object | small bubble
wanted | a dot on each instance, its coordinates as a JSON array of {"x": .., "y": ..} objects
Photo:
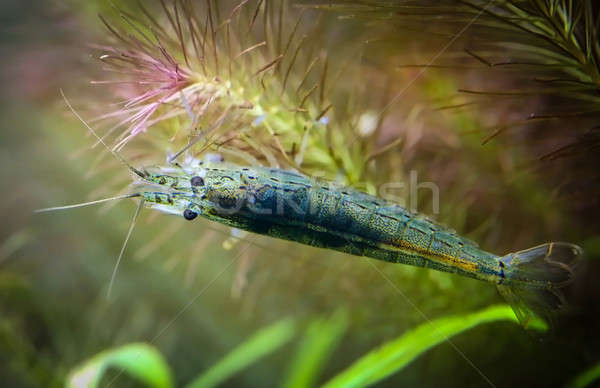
[
  {"x": 367, "y": 123},
  {"x": 259, "y": 120}
]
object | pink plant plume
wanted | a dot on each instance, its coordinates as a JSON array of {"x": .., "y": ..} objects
[
  {"x": 235, "y": 80},
  {"x": 153, "y": 75}
]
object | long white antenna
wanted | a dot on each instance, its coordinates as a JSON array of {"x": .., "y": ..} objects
[
  {"x": 114, "y": 274},
  {"x": 51, "y": 209},
  {"x": 114, "y": 153}
]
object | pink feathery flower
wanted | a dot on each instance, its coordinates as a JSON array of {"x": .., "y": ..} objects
[{"x": 153, "y": 75}]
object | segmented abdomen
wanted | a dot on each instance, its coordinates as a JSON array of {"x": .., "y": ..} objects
[
  {"x": 397, "y": 234},
  {"x": 313, "y": 212}
]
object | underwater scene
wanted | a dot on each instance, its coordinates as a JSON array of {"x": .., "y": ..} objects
[{"x": 300, "y": 193}]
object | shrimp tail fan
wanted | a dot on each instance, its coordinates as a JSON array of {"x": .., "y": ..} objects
[{"x": 534, "y": 277}]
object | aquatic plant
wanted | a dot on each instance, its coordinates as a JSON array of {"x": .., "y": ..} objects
[
  {"x": 384, "y": 121},
  {"x": 143, "y": 361},
  {"x": 248, "y": 81},
  {"x": 553, "y": 44}
]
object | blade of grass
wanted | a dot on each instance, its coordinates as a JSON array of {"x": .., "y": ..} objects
[
  {"x": 586, "y": 378},
  {"x": 318, "y": 343},
  {"x": 263, "y": 342},
  {"x": 139, "y": 360},
  {"x": 394, "y": 355}
]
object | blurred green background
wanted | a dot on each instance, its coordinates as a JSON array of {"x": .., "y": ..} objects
[{"x": 199, "y": 293}]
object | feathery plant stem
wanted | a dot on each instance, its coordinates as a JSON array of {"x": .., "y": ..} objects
[
  {"x": 267, "y": 73},
  {"x": 557, "y": 38}
]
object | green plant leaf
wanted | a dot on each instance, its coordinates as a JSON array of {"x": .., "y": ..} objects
[
  {"x": 139, "y": 360},
  {"x": 394, "y": 355},
  {"x": 586, "y": 378},
  {"x": 320, "y": 339},
  {"x": 259, "y": 345}
]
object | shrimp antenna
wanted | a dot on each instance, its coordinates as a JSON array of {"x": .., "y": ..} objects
[
  {"x": 114, "y": 273},
  {"x": 113, "y": 152},
  {"x": 51, "y": 209}
]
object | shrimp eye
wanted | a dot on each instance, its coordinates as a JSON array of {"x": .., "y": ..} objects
[
  {"x": 197, "y": 181},
  {"x": 189, "y": 214}
]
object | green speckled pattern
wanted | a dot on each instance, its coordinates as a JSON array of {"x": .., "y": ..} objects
[{"x": 291, "y": 206}]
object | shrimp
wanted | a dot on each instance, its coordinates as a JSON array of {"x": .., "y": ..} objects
[
  {"x": 291, "y": 206},
  {"x": 288, "y": 205}
]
